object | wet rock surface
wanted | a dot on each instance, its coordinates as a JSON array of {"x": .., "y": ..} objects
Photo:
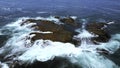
[
  {"x": 65, "y": 32},
  {"x": 98, "y": 29},
  {"x": 69, "y": 21},
  {"x": 51, "y": 30},
  {"x": 58, "y": 32},
  {"x": 63, "y": 37}
]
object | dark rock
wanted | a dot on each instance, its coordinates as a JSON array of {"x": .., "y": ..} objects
[
  {"x": 65, "y": 32},
  {"x": 62, "y": 36},
  {"x": 57, "y": 17},
  {"x": 96, "y": 25},
  {"x": 55, "y": 63},
  {"x": 98, "y": 29},
  {"x": 45, "y": 25},
  {"x": 69, "y": 21},
  {"x": 102, "y": 51},
  {"x": 59, "y": 33}
]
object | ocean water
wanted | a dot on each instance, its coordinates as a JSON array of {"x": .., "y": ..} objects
[{"x": 13, "y": 11}]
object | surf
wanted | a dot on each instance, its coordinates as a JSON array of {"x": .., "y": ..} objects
[{"x": 87, "y": 55}]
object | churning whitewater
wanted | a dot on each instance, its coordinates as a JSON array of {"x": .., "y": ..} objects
[{"x": 20, "y": 48}]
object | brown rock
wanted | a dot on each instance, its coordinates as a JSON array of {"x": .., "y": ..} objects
[
  {"x": 96, "y": 25},
  {"x": 63, "y": 33},
  {"x": 58, "y": 31},
  {"x": 98, "y": 29},
  {"x": 69, "y": 21},
  {"x": 45, "y": 25},
  {"x": 62, "y": 36}
]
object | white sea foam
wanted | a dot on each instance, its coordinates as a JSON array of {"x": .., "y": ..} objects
[
  {"x": 92, "y": 60},
  {"x": 24, "y": 50},
  {"x": 112, "y": 45},
  {"x": 42, "y": 12},
  {"x": 112, "y": 22},
  {"x": 3, "y": 65},
  {"x": 47, "y": 50},
  {"x": 85, "y": 34},
  {"x": 73, "y": 17}
]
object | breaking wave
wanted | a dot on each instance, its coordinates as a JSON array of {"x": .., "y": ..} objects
[{"x": 20, "y": 48}]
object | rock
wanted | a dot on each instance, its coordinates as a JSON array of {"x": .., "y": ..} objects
[
  {"x": 58, "y": 32},
  {"x": 57, "y": 17},
  {"x": 102, "y": 51},
  {"x": 61, "y": 36},
  {"x": 98, "y": 29},
  {"x": 69, "y": 21},
  {"x": 45, "y": 25},
  {"x": 65, "y": 32},
  {"x": 57, "y": 62},
  {"x": 96, "y": 25}
]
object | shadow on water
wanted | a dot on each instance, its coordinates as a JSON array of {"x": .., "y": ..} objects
[{"x": 3, "y": 39}]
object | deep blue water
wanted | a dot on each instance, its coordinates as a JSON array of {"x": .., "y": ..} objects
[
  {"x": 94, "y": 10},
  {"x": 82, "y": 8}
]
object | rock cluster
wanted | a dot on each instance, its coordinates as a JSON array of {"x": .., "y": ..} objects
[
  {"x": 49, "y": 30},
  {"x": 65, "y": 32},
  {"x": 58, "y": 32}
]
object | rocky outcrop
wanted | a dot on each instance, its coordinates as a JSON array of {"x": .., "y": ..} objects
[
  {"x": 65, "y": 32},
  {"x": 69, "y": 21},
  {"x": 49, "y": 30},
  {"x": 62, "y": 36},
  {"x": 100, "y": 30},
  {"x": 57, "y": 32}
]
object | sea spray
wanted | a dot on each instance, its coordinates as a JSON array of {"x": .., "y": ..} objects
[
  {"x": 3, "y": 65},
  {"x": 90, "y": 58},
  {"x": 20, "y": 48}
]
